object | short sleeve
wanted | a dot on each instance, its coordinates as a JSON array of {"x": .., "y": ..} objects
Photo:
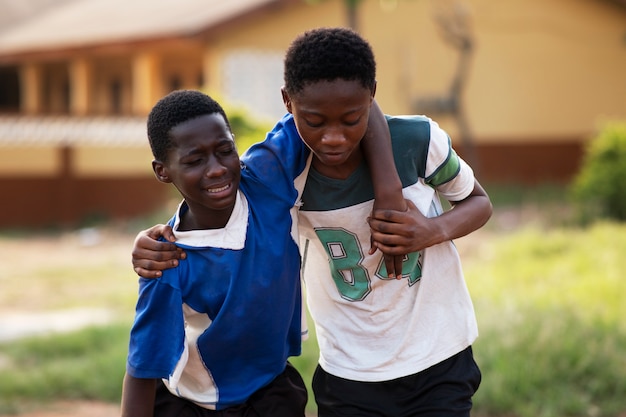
[
  {"x": 281, "y": 156},
  {"x": 445, "y": 170},
  {"x": 158, "y": 334}
]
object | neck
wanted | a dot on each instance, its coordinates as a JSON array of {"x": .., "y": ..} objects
[
  {"x": 341, "y": 171},
  {"x": 203, "y": 220}
]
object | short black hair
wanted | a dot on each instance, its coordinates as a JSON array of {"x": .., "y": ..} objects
[
  {"x": 173, "y": 109},
  {"x": 327, "y": 54}
]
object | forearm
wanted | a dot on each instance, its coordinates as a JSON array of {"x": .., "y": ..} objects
[
  {"x": 138, "y": 397},
  {"x": 377, "y": 149},
  {"x": 464, "y": 217}
]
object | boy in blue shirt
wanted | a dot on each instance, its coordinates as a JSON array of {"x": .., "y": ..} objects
[{"x": 218, "y": 330}]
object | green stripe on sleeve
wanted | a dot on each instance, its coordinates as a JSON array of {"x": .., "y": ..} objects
[{"x": 446, "y": 171}]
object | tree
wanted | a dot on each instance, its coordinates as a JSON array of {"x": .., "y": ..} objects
[
  {"x": 454, "y": 23},
  {"x": 352, "y": 7},
  {"x": 352, "y": 13}
]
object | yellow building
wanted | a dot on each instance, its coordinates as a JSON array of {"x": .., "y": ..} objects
[{"x": 519, "y": 84}]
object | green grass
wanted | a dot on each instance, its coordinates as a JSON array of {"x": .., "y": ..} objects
[
  {"x": 550, "y": 310},
  {"x": 88, "y": 364},
  {"x": 549, "y": 303},
  {"x": 306, "y": 364}
]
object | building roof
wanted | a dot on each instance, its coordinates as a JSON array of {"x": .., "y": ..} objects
[
  {"x": 31, "y": 26},
  {"x": 83, "y": 23},
  {"x": 15, "y": 12}
]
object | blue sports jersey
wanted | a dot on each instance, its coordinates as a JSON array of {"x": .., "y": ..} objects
[{"x": 222, "y": 324}]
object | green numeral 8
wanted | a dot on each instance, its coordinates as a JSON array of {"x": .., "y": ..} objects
[{"x": 345, "y": 257}]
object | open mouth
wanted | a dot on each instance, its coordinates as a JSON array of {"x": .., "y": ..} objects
[{"x": 218, "y": 189}]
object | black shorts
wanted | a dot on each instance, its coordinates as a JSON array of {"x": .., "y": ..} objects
[
  {"x": 443, "y": 390},
  {"x": 285, "y": 396}
]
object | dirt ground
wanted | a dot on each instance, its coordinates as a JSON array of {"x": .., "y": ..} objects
[
  {"x": 76, "y": 409},
  {"x": 79, "y": 409}
]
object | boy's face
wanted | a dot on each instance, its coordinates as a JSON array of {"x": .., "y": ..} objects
[
  {"x": 332, "y": 117},
  {"x": 204, "y": 167}
]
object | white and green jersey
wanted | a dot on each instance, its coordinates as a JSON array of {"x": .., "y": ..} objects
[{"x": 371, "y": 327}]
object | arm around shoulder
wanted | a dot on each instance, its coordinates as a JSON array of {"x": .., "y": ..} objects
[{"x": 150, "y": 256}]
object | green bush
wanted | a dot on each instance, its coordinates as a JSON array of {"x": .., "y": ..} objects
[
  {"x": 247, "y": 130},
  {"x": 598, "y": 189}
]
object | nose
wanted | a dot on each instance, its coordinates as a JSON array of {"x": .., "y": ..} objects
[
  {"x": 333, "y": 136},
  {"x": 214, "y": 167}
]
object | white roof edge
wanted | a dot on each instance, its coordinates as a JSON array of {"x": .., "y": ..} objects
[
  {"x": 92, "y": 22},
  {"x": 22, "y": 131}
]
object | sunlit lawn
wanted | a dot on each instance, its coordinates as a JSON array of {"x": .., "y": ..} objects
[{"x": 550, "y": 309}]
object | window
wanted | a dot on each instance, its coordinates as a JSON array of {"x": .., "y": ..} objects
[{"x": 253, "y": 78}]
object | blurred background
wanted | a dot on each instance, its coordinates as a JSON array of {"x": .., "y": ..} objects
[
  {"x": 519, "y": 85},
  {"x": 524, "y": 88}
]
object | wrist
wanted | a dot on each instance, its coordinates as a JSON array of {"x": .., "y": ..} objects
[
  {"x": 391, "y": 198},
  {"x": 439, "y": 231}
]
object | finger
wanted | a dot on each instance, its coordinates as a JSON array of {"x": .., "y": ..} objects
[
  {"x": 390, "y": 260},
  {"x": 390, "y": 265},
  {"x": 140, "y": 254},
  {"x": 145, "y": 242},
  {"x": 154, "y": 266},
  {"x": 385, "y": 228},
  {"x": 144, "y": 273},
  {"x": 399, "y": 251},
  {"x": 388, "y": 240},
  {"x": 372, "y": 246},
  {"x": 158, "y": 231},
  {"x": 398, "y": 265},
  {"x": 160, "y": 246},
  {"x": 386, "y": 215},
  {"x": 168, "y": 234},
  {"x": 154, "y": 232},
  {"x": 393, "y": 216}
]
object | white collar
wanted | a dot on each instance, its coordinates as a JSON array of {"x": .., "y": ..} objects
[{"x": 231, "y": 236}]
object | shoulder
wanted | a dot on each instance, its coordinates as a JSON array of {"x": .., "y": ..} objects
[
  {"x": 282, "y": 148},
  {"x": 419, "y": 134},
  {"x": 416, "y": 129},
  {"x": 416, "y": 140},
  {"x": 282, "y": 139}
]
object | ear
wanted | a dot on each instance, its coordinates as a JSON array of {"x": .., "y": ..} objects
[
  {"x": 160, "y": 171},
  {"x": 286, "y": 99},
  {"x": 374, "y": 89}
]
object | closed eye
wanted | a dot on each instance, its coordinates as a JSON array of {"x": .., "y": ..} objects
[
  {"x": 192, "y": 162},
  {"x": 314, "y": 125},
  {"x": 226, "y": 150},
  {"x": 352, "y": 123}
]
